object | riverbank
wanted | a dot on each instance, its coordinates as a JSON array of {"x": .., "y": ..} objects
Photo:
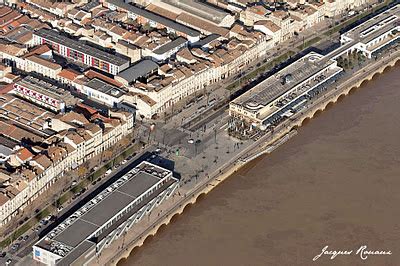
[{"x": 235, "y": 164}]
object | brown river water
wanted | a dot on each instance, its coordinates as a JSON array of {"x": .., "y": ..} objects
[{"x": 335, "y": 184}]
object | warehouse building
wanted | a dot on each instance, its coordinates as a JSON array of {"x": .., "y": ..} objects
[{"x": 112, "y": 212}]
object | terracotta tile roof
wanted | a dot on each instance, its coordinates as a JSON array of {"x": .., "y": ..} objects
[
  {"x": 3, "y": 199},
  {"x": 24, "y": 154},
  {"x": 269, "y": 25},
  {"x": 68, "y": 74}
]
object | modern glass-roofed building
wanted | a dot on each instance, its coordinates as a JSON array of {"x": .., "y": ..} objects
[{"x": 106, "y": 217}]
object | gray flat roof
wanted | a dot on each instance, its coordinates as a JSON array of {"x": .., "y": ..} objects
[
  {"x": 104, "y": 87},
  {"x": 171, "y": 45},
  {"x": 104, "y": 210},
  {"x": 76, "y": 253},
  {"x": 134, "y": 188},
  {"x": 154, "y": 17},
  {"x": 206, "y": 40},
  {"x": 81, "y": 47},
  {"x": 71, "y": 238},
  {"x": 76, "y": 233},
  {"x": 138, "y": 70},
  {"x": 46, "y": 88}
]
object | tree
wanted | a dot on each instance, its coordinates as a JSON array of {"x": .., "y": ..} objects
[
  {"x": 146, "y": 27},
  {"x": 107, "y": 154},
  {"x": 82, "y": 170}
]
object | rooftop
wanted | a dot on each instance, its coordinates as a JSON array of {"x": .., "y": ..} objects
[
  {"x": 273, "y": 87},
  {"x": 375, "y": 26},
  {"x": 68, "y": 238},
  {"x": 143, "y": 68},
  {"x": 154, "y": 17},
  {"x": 170, "y": 46},
  {"x": 81, "y": 47},
  {"x": 44, "y": 88},
  {"x": 104, "y": 87}
]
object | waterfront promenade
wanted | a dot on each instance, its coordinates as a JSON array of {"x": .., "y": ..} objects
[{"x": 188, "y": 194}]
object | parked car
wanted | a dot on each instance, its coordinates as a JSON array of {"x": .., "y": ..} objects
[
  {"x": 3, "y": 254},
  {"x": 108, "y": 171},
  {"x": 15, "y": 246},
  {"x": 8, "y": 262},
  {"x": 123, "y": 162},
  {"x": 26, "y": 237}
]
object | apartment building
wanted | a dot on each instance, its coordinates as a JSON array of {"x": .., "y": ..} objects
[
  {"x": 43, "y": 66},
  {"x": 75, "y": 139},
  {"x": 80, "y": 52}
]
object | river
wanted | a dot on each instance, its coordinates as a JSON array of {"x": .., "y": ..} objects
[{"x": 336, "y": 183}]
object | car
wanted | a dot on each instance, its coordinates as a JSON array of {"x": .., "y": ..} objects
[
  {"x": 8, "y": 262},
  {"x": 123, "y": 162},
  {"x": 48, "y": 218},
  {"x": 158, "y": 150},
  {"x": 153, "y": 156},
  {"x": 3, "y": 254},
  {"x": 60, "y": 208},
  {"x": 108, "y": 171},
  {"x": 191, "y": 141},
  {"x": 26, "y": 237},
  {"x": 15, "y": 246},
  {"x": 74, "y": 183},
  {"x": 20, "y": 238}
]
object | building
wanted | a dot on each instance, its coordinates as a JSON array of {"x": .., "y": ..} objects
[
  {"x": 269, "y": 28},
  {"x": 156, "y": 21},
  {"x": 112, "y": 212},
  {"x": 80, "y": 52},
  {"x": 167, "y": 50},
  {"x": 103, "y": 92},
  {"x": 198, "y": 9},
  {"x": 70, "y": 139},
  {"x": 373, "y": 35},
  {"x": 283, "y": 93},
  {"x": 43, "y": 93},
  {"x": 40, "y": 65},
  {"x": 139, "y": 71}
]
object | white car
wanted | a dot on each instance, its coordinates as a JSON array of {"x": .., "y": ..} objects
[
  {"x": 124, "y": 162},
  {"x": 191, "y": 141},
  {"x": 108, "y": 171},
  {"x": 8, "y": 261}
]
